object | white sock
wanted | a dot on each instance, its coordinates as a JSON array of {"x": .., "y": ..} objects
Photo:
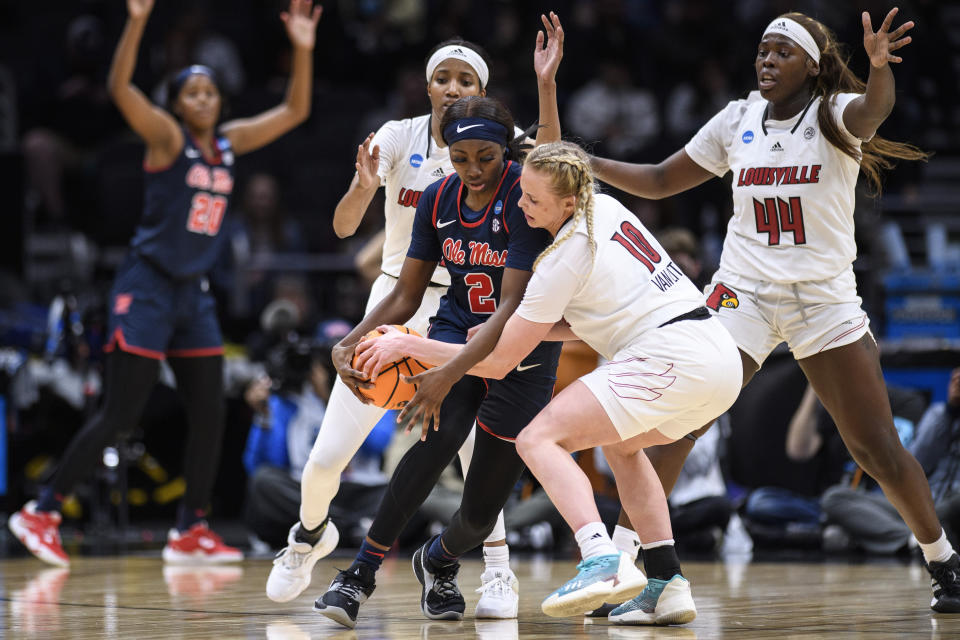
[
  {"x": 626, "y": 540},
  {"x": 594, "y": 541},
  {"x": 939, "y": 550},
  {"x": 496, "y": 557},
  {"x": 658, "y": 543}
]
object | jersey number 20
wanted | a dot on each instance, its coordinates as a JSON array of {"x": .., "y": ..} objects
[
  {"x": 481, "y": 293},
  {"x": 206, "y": 213}
]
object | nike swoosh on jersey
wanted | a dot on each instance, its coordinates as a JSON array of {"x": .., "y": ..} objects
[
  {"x": 440, "y": 225},
  {"x": 469, "y": 126},
  {"x": 521, "y": 367}
]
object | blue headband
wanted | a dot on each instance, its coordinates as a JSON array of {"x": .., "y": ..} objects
[
  {"x": 192, "y": 70},
  {"x": 475, "y": 129}
]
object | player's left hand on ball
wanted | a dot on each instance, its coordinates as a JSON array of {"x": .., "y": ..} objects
[{"x": 342, "y": 356}]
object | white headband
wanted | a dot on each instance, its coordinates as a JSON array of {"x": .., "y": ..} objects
[
  {"x": 796, "y": 32},
  {"x": 459, "y": 52}
]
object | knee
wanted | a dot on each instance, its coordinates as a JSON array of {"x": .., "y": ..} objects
[
  {"x": 528, "y": 442},
  {"x": 882, "y": 458},
  {"x": 324, "y": 464},
  {"x": 475, "y": 520}
]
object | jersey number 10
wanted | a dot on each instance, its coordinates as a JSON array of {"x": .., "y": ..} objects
[
  {"x": 638, "y": 246},
  {"x": 206, "y": 213},
  {"x": 776, "y": 215}
]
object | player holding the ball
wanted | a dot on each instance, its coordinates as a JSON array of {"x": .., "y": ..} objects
[
  {"x": 390, "y": 389},
  {"x": 404, "y": 157},
  {"x": 471, "y": 221}
]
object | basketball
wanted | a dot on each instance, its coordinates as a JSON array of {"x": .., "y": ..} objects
[{"x": 389, "y": 390}]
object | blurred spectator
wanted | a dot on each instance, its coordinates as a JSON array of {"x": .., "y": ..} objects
[
  {"x": 64, "y": 149},
  {"x": 699, "y": 507},
  {"x": 867, "y": 518},
  {"x": 192, "y": 41},
  {"x": 610, "y": 110},
  {"x": 257, "y": 233},
  {"x": 783, "y": 516},
  {"x": 684, "y": 250}
]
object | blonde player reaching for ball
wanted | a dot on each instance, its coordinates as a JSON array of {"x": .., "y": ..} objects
[
  {"x": 604, "y": 280},
  {"x": 404, "y": 157},
  {"x": 471, "y": 222}
]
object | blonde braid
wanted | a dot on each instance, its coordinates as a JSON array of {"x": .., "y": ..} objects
[{"x": 569, "y": 168}]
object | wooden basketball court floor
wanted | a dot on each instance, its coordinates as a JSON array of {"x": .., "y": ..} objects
[{"x": 137, "y": 597}]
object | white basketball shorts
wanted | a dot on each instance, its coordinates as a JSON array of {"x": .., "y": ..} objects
[
  {"x": 674, "y": 379},
  {"x": 810, "y": 316}
]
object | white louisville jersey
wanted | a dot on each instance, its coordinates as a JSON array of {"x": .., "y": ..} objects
[
  {"x": 793, "y": 191},
  {"x": 409, "y": 162},
  {"x": 609, "y": 300}
]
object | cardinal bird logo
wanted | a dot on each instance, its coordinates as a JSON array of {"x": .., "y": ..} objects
[{"x": 722, "y": 296}]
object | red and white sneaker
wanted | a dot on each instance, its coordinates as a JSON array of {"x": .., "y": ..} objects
[
  {"x": 39, "y": 531},
  {"x": 198, "y": 545}
]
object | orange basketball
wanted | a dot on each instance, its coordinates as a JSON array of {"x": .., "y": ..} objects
[{"x": 389, "y": 390}]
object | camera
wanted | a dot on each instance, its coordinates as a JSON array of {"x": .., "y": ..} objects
[{"x": 288, "y": 362}]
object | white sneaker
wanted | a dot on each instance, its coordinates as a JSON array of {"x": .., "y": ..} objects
[
  {"x": 631, "y": 581},
  {"x": 499, "y": 594},
  {"x": 662, "y": 602},
  {"x": 293, "y": 566}
]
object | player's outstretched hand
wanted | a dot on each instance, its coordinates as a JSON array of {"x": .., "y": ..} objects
[
  {"x": 879, "y": 45},
  {"x": 342, "y": 356},
  {"x": 139, "y": 9},
  {"x": 301, "y": 21},
  {"x": 367, "y": 164},
  {"x": 433, "y": 386},
  {"x": 549, "y": 49},
  {"x": 376, "y": 353}
]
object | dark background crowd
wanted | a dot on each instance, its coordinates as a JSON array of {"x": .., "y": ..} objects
[{"x": 639, "y": 77}]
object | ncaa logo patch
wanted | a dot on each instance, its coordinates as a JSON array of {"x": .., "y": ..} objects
[
  {"x": 809, "y": 132},
  {"x": 416, "y": 160},
  {"x": 495, "y": 225},
  {"x": 747, "y": 137},
  {"x": 497, "y": 208}
]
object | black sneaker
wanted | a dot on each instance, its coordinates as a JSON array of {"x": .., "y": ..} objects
[
  {"x": 346, "y": 593},
  {"x": 602, "y": 611},
  {"x": 945, "y": 582},
  {"x": 440, "y": 598}
]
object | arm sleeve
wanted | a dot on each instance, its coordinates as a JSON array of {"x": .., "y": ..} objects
[
  {"x": 389, "y": 138},
  {"x": 424, "y": 243},
  {"x": 556, "y": 280}
]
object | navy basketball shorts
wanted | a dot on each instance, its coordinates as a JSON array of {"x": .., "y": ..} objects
[
  {"x": 511, "y": 403},
  {"x": 155, "y": 316}
]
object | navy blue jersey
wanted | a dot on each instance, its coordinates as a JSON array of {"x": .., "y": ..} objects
[
  {"x": 474, "y": 246},
  {"x": 184, "y": 208}
]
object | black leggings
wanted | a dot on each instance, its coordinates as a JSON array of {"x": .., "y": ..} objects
[
  {"x": 128, "y": 384},
  {"x": 495, "y": 470}
]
